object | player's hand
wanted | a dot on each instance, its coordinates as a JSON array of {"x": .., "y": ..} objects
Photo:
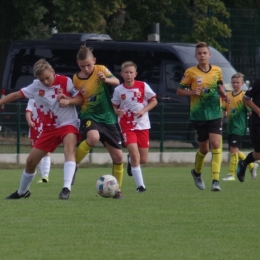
[
  {"x": 101, "y": 76},
  {"x": 139, "y": 113},
  {"x": 226, "y": 98},
  {"x": 64, "y": 102},
  {"x": 31, "y": 124},
  {"x": 120, "y": 112},
  {"x": 62, "y": 96},
  {"x": 197, "y": 91}
]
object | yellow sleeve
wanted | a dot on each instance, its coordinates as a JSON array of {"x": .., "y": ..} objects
[{"x": 186, "y": 80}]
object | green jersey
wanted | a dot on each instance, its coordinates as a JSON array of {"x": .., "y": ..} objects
[
  {"x": 206, "y": 106},
  {"x": 97, "y": 101}
]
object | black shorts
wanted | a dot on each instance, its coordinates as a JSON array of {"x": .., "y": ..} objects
[
  {"x": 204, "y": 128},
  {"x": 254, "y": 127},
  {"x": 108, "y": 133},
  {"x": 235, "y": 140}
]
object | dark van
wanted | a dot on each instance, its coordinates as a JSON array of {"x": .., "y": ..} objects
[{"x": 161, "y": 65}]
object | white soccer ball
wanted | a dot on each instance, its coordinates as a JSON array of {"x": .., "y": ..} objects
[{"x": 107, "y": 186}]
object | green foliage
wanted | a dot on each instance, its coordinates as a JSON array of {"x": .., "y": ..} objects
[
  {"x": 171, "y": 220},
  {"x": 135, "y": 20},
  {"x": 206, "y": 27},
  {"x": 83, "y": 16},
  {"x": 22, "y": 19},
  {"x": 122, "y": 19},
  {"x": 242, "y": 4}
]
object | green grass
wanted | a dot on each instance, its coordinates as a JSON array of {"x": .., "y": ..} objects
[{"x": 171, "y": 220}]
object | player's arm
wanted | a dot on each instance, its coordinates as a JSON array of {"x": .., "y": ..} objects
[
  {"x": 112, "y": 81},
  {"x": 28, "y": 117},
  {"x": 152, "y": 103},
  {"x": 223, "y": 94},
  {"x": 187, "y": 92},
  {"x": 107, "y": 77},
  {"x": 77, "y": 100},
  {"x": 224, "y": 114},
  {"x": 11, "y": 97},
  {"x": 249, "y": 103}
]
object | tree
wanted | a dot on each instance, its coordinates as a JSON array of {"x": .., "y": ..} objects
[
  {"x": 22, "y": 19},
  {"x": 122, "y": 19},
  {"x": 242, "y": 4},
  {"x": 206, "y": 26}
]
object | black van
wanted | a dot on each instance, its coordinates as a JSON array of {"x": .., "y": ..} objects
[{"x": 161, "y": 65}]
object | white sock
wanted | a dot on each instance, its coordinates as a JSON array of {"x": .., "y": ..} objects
[
  {"x": 69, "y": 169},
  {"x": 46, "y": 165},
  {"x": 39, "y": 168},
  {"x": 25, "y": 182},
  {"x": 138, "y": 177}
]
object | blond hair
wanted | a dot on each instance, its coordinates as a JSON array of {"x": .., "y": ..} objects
[
  {"x": 201, "y": 45},
  {"x": 238, "y": 75},
  {"x": 40, "y": 66},
  {"x": 84, "y": 52},
  {"x": 128, "y": 64}
]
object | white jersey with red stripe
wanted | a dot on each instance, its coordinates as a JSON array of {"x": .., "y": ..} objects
[
  {"x": 34, "y": 132},
  {"x": 48, "y": 110},
  {"x": 131, "y": 100}
]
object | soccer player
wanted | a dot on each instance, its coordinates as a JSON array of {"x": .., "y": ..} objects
[
  {"x": 252, "y": 100},
  {"x": 203, "y": 84},
  {"x": 97, "y": 114},
  {"x": 35, "y": 129},
  {"x": 132, "y": 100},
  {"x": 60, "y": 124},
  {"x": 236, "y": 113}
]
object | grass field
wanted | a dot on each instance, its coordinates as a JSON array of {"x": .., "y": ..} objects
[{"x": 171, "y": 220}]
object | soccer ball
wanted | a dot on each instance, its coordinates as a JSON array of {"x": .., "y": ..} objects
[{"x": 107, "y": 186}]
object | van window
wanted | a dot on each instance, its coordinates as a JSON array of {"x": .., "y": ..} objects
[
  {"x": 173, "y": 75},
  {"x": 24, "y": 59}
]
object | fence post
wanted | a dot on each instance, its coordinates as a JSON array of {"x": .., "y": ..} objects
[
  {"x": 161, "y": 127},
  {"x": 18, "y": 132}
]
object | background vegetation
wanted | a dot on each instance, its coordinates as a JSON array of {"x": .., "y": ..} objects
[{"x": 122, "y": 19}]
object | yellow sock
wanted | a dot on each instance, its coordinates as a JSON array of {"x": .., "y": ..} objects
[
  {"x": 242, "y": 156},
  {"x": 216, "y": 163},
  {"x": 233, "y": 163},
  {"x": 82, "y": 151},
  {"x": 118, "y": 170},
  {"x": 199, "y": 161}
]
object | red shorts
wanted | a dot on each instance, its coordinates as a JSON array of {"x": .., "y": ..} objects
[
  {"x": 50, "y": 139},
  {"x": 139, "y": 137}
]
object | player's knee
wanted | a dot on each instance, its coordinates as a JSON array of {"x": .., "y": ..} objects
[
  {"x": 143, "y": 160},
  {"x": 30, "y": 164},
  {"x": 117, "y": 158},
  {"x": 92, "y": 141}
]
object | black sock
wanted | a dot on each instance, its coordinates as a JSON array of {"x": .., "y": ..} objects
[{"x": 249, "y": 159}]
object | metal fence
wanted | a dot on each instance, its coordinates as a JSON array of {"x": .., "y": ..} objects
[
  {"x": 170, "y": 130},
  {"x": 243, "y": 46}
]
